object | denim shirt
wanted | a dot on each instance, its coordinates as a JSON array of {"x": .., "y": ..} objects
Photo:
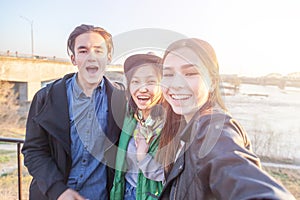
[{"x": 88, "y": 119}]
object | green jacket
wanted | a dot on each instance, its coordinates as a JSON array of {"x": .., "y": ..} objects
[{"x": 146, "y": 189}]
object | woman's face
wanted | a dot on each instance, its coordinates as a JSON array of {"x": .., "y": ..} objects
[
  {"x": 144, "y": 87},
  {"x": 186, "y": 82}
]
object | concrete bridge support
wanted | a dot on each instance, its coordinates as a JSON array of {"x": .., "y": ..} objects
[{"x": 29, "y": 74}]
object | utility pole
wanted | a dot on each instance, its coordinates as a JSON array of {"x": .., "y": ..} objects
[{"x": 31, "y": 25}]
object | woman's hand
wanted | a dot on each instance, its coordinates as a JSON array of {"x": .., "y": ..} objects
[{"x": 142, "y": 147}]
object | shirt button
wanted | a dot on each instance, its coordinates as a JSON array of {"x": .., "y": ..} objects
[
  {"x": 84, "y": 160},
  {"x": 81, "y": 175}
]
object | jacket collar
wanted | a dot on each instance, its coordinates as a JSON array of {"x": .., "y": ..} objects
[
  {"x": 186, "y": 136},
  {"x": 176, "y": 170},
  {"x": 54, "y": 116},
  {"x": 77, "y": 91},
  {"x": 115, "y": 114}
]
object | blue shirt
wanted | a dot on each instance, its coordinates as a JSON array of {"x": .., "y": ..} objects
[{"x": 88, "y": 119}]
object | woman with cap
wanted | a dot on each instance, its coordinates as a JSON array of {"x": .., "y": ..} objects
[
  {"x": 211, "y": 157},
  {"x": 137, "y": 174}
]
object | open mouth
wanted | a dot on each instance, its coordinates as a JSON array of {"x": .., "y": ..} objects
[
  {"x": 180, "y": 97},
  {"x": 92, "y": 69},
  {"x": 143, "y": 98}
]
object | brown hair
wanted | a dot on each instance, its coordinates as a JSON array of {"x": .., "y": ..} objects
[
  {"x": 89, "y": 28},
  {"x": 169, "y": 139}
]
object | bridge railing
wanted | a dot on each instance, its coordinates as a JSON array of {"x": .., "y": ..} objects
[
  {"x": 18, "y": 142},
  {"x": 23, "y": 55}
]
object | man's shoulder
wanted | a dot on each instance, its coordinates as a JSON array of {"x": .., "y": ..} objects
[
  {"x": 60, "y": 81},
  {"x": 114, "y": 85},
  {"x": 44, "y": 91}
]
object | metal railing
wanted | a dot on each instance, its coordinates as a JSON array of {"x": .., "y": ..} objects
[
  {"x": 30, "y": 56},
  {"x": 18, "y": 142}
]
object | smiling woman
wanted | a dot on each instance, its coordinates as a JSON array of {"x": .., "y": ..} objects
[
  {"x": 211, "y": 157},
  {"x": 138, "y": 175},
  {"x": 192, "y": 79}
]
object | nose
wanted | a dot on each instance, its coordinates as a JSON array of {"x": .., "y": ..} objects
[
  {"x": 143, "y": 88},
  {"x": 91, "y": 57},
  {"x": 177, "y": 81}
]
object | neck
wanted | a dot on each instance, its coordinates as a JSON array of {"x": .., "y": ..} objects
[
  {"x": 146, "y": 113},
  {"x": 143, "y": 114},
  {"x": 86, "y": 87},
  {"x": 188, "y": 118}
]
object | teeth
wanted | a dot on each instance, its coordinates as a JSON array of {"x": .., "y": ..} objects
[
  {"x": 180, "y": 96},
  {"x": 143, "y": 97}
]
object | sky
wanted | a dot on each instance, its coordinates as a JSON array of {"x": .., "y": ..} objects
[{"x": 250, "y": 37}]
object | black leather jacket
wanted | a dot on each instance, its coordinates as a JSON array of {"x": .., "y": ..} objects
[
  {"x": 46, "y": 150},
  {"x": 217, "y": 162}
]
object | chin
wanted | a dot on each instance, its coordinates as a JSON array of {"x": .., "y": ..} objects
[
  {"x": 142, "y": 107},
  {"x": 186, "y": 110},
  {"x": 178, "y": 110}
]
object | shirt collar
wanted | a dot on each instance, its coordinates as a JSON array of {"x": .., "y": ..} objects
[{"x": 77, "y": 91}]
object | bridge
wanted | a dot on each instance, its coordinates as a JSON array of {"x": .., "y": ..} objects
[{"x": 30, "y": 74}]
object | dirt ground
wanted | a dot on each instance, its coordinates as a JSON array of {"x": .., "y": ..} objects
[{"x": 290, "y": 178}]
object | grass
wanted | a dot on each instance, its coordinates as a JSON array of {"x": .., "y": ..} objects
[
  {"x": 4, "y": 159},
  {"x": 9, "y": 185},
  {"x": 5, "y": 152},
  {"x": 290, "y": 178},
  {"x": 12, "y": 132},
  {"x": 9, "y": 180}
]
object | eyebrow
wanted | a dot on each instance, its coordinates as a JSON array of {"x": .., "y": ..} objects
[
  {"x": 149, "y": 76},
  {"x": 84, "y": 47},
  {"x": 182, "y": 66}
]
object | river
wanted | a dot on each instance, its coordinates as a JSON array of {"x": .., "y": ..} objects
[{"x": 271, "y": 117}]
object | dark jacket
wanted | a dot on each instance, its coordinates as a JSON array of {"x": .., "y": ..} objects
[
  {"x": 47, "y": 147},
  {"x": 217, "y": 163}
]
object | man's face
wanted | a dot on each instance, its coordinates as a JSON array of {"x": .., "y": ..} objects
[{"x": 91, "y": 58}]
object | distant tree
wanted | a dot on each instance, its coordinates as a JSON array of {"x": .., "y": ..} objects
[{"x": 8, "y": 104}]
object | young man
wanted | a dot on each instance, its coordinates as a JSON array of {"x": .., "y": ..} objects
[{"x": 74, "y": 124}]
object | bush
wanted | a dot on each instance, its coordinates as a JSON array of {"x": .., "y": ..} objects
[{"x": 8, "y": 104}]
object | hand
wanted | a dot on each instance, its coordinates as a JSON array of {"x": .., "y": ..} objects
[
  {"x": 70, "y": 194},
  {"x": 142, "y": 147}
]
